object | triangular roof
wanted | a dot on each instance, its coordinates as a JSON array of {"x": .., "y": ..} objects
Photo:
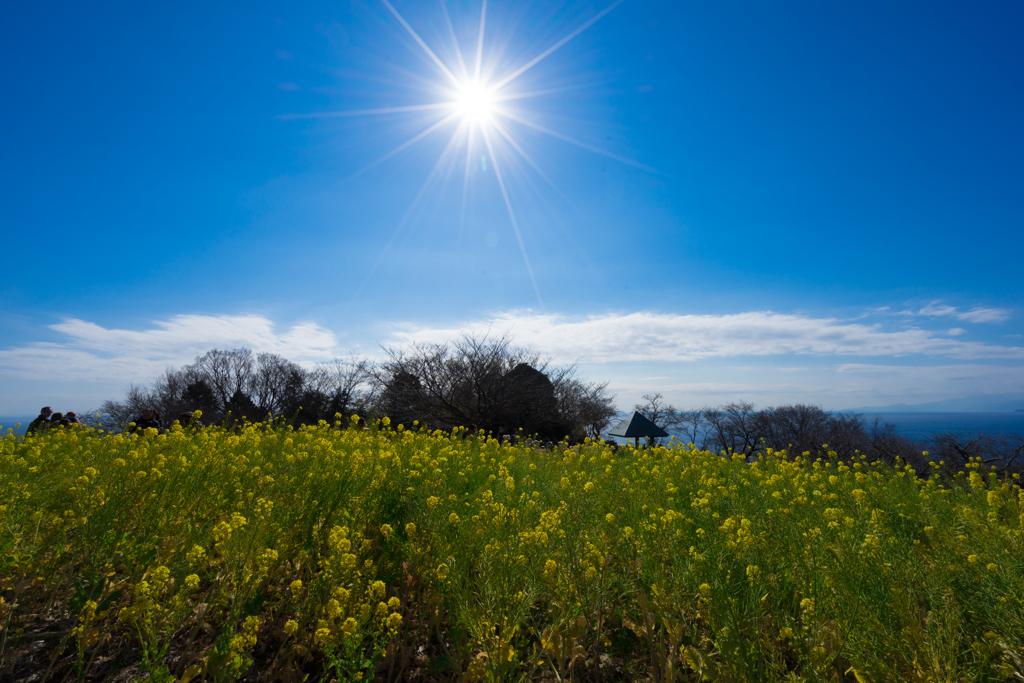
[{"x": 637, "y": 425}]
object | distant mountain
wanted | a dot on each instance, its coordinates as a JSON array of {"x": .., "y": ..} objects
[{"x": 981, "y": 403}]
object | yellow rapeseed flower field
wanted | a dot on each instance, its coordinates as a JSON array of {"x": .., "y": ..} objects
[{"x": 339, "y": 553}]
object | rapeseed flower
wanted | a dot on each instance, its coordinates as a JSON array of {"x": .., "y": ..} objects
[{"x": 295, "y": 515}]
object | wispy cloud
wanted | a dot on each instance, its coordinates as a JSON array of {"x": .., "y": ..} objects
[
  {"x": 90, "y": 352},
  {"x": 835, "y": 386},
  {"x": 649, "y": 336},
  {"x": 984, "y": 315},
  {"x": 978, "y": 314}
]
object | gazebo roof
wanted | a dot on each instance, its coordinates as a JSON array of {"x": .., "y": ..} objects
[{"x": 637, "y": 425}]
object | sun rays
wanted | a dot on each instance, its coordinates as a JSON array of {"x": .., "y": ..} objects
[{"x": 476, "y": 107}]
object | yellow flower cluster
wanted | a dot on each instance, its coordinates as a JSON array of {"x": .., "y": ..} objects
[{"x": 340, "y": 542}]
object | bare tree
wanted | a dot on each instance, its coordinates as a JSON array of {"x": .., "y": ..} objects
[
  {"x": 488, "y": 382},
  {"x": 1005, "y": 452},
  {"x": 587, "y": 406},
  {"x": 845, "y": 435},
  {"x": 349, "y": 380},
  {"x": 694, "y": 427},
  {"x": 798, "y": 428},
  {"x": 885, "y": 443},
  {"x": 337, "y": 387},
  {"x": 225, "y": 371},
  {"x": 274, "y": 383},
  {"x": 470, "y": 381},
  {"x": 804, "y": 428},
  {"x": 691, "y": 425},
  {"x": 664, "y": 415},
  {"x": 654, "y": 408},
  {"x": 218, "y": 382},
  {"x": 735, "y": 427},
  {"x": 118, "y": 414}
]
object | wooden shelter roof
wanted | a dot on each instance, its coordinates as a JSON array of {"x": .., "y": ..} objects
[{"x": 637, "y": 425}]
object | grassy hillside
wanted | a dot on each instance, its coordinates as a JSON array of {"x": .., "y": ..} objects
[{"x": 338, "y": 553}]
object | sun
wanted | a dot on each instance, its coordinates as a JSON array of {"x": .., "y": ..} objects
[{"x": 475, "y": 103}]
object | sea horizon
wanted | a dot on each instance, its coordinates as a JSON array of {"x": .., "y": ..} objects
[{"x": 917, "y": 426}]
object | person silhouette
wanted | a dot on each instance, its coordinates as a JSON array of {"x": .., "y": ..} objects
[{"x": 41, "y": 422}]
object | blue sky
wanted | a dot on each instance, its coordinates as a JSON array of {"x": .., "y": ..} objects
[{"x": 814, "y": 202}]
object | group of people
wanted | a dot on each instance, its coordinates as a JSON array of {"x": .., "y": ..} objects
[
  {"x": 47, "y": 419},
  {"x": 148, "y": 418}
]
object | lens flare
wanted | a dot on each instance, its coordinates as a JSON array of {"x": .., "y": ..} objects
[{"x": 480, "y": 108}]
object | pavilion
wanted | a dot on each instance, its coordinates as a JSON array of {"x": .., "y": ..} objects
[{"x": 635, "y": 426}]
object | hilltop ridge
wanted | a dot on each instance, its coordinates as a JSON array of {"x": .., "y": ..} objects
[{"x": 978, "y": 403}]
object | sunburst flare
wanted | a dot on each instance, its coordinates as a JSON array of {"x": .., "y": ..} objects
[{"x": 479, "y": 107}]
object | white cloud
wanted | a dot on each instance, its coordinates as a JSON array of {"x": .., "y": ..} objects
[
  {"x": 937, "y": 309},
  {"x": 648, "y": 336},
  {"x": 833, "y": 386},
  {"x": 94, "y": 362},
  {"x": 91, "y": 352},
  {"x": 984, "y": 315},
  {"x": 978, "y": 314}
]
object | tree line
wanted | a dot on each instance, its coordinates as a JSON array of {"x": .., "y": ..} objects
[
  {"x": 476, "y": 381},
  {"x": 484, "y": 382},
  {"x": 740, "y": 428}
]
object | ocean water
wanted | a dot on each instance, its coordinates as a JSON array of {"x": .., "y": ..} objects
[
  {"x": 924, "y": 425},
  {"x": 8, "y": 421}
]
